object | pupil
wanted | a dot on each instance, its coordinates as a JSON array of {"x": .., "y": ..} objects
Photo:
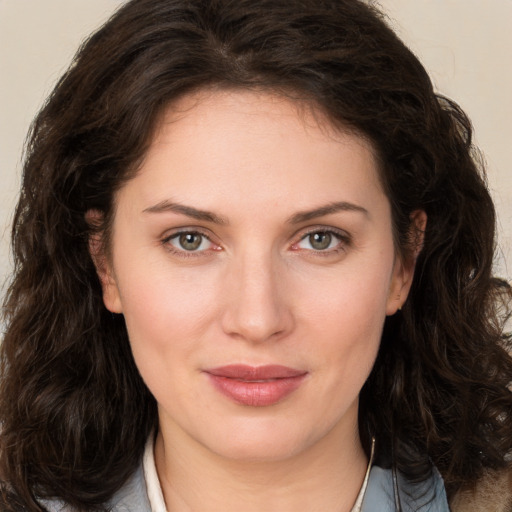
[
  {"x": 320, "y": 241},
  {"x": 190, "y": 241}
]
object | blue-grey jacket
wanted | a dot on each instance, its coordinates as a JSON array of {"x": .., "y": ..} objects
[{"x": 383, "y": 494}]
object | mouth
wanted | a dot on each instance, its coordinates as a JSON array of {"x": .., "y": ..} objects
[{"x": 256, "y": 386}]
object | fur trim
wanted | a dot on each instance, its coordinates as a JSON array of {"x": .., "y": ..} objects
[{"x": 493, "y": 493}]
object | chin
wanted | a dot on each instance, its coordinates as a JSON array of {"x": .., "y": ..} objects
[
  {"x": 260, "y": 441},
  {"x": 267, "y": 450}
]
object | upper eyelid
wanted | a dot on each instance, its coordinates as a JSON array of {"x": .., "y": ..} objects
[
  {"x": 165, "y": 241},
  {"x": 344, "y": 241},
  {"x": 297, "y": 237},
  {"x": 341, "y": 233},
  {"x": 172, "y": 233}
]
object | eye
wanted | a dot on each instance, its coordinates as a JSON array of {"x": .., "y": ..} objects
[
  {"x": 319, "y": 241},
  {"x": 189, "y": 241},
  {"x": 322, "y": 241}
]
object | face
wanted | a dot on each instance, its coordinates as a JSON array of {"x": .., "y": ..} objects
[{"x": 253, "y": 260}]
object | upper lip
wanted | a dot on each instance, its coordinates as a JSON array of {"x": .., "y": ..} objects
[{"x": 255, "y": 373}]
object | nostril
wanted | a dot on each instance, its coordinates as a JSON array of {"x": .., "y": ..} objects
[
  {"x": 257, "y": 322},
  {"x": 257, "y": 306}
]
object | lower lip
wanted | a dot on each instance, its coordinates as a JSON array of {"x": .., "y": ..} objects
[{"x": 256, "y": 394}]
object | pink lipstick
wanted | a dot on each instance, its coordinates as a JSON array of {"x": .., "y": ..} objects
[{"x": 256, "y": 386}]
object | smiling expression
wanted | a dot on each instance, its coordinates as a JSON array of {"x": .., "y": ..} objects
[{"x": 253, "y": 260}]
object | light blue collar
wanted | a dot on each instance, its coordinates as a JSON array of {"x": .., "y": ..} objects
[{"x": 385, "y": 493}]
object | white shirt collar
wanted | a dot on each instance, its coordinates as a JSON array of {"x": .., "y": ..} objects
[
  {"x": 153, "y": 488},
  {"x": 360, "y": 497}
]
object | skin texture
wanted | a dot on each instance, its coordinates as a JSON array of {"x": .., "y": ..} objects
[{"x": 256, "y": 291}]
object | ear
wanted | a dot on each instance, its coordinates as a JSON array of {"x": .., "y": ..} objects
[
  {"x": 103, "y": 264},
  {"x": 403, "y": 271}
]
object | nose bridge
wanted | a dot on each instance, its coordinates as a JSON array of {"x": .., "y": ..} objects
[{"x": 258, "y": 308}]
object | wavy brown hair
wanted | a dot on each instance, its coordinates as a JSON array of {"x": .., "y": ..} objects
[{"x": 74, "y": 411}]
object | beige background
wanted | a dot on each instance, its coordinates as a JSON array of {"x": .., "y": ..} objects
[{"x": 465, "y": 44}]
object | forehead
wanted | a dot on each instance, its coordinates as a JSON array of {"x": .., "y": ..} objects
[
  {"x": 283, "y": 112},
  {"x": 222, "y": 145}
]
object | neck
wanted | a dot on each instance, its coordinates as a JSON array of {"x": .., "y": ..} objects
[{"x": 326, "y": 476}]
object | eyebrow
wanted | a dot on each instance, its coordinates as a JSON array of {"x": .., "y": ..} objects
[
  {"x": 341, "y": 206},
  {"x": 189, "y": 211},
  {"x": 204, "y": 215}
]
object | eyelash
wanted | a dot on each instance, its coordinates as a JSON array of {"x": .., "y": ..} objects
[
  {"x": 183, "y": 253},
  {"x": 343, "y": 238}
]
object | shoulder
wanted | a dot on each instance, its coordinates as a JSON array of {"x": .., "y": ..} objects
[
  {"x": 492, "y": 492},
  {"x": 132, "y": 497},
  {"x": 389, "y": 491}
]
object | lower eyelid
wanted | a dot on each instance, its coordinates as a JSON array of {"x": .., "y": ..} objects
[
  {"x": 167, "y": 241},
  {"x": 343, "y": 239}
]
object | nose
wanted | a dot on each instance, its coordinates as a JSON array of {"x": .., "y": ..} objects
[{"x": 257, "y": 300}]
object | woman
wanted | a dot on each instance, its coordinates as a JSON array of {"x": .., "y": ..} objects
[{"x": 253, "y": 271}]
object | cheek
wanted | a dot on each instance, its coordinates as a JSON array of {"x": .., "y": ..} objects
[
  {"x": 345, "y": 316},
  {"x": 350, "y": 331},
  {"x": 166, "y": 312},
  {"x": 352, "y": 300},
  {"x": 349, "y": 348},
  {"x": 167, "y": 319}
]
